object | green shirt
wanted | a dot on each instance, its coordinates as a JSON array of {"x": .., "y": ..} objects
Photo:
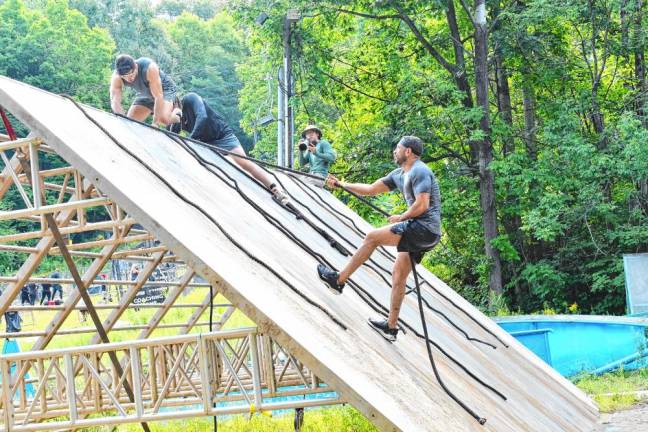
[{"x": 319, "y": 161}]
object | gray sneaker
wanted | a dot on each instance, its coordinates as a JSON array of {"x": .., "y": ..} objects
[{"x": 383, "y": 329}]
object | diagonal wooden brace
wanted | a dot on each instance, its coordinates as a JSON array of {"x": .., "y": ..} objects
[{"x": 51, "y": 223}]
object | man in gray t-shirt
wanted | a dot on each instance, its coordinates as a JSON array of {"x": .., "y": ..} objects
[{"x": 414, "y": 232}]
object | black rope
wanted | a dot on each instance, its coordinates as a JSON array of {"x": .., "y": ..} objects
[
  {"x": 300, "y": 183},
  {"x": 208, "y": 216},
  {"x": 469, "y": 410},
  {"x": 299, "y": 215},
  {"x": 211, "y": 328},
  {"x": 389, "y": 255},
  {"x": 377, "y": 306}
]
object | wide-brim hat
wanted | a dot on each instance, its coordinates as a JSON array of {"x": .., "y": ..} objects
[{"x": 311, "y": 128}]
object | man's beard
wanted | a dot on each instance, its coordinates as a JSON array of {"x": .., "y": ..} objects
[{"x": 399, "y": 161}]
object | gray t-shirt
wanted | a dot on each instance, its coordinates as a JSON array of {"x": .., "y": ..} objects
[{"x": 419, "y": 179}]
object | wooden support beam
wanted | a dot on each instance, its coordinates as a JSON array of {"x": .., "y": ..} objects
[
  {"x": 142, "y": 251},
  {"x": 51, "y": 173},
  {"x": 93, "y": 314},
  {"x": 112, "y": 306},
  {"x": 21, "y": 142},
  {"x": 84, "y": 330},
  {"x": 53, "y": 208},
  {"x": 133, "y": 256},
  {"x": 97, "y": 226},
  {"x": 98, "y": 281},
  {"x": 129, "y": 295},
  {"x": 73, "y": 298},
  {"x": 97, "y": 243},
  {"x": 10, "y": 170},
  {"x": 33, "y": 261}
]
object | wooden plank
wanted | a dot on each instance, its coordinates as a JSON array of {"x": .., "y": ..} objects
[
  {"x": 12, "y": 173},
  {"x": 259, "y": 268},
  {"x": 74, "y": 297},
  {"x": 33, "y": 261},
  {"x": 52, "y": 208},
  {"x": 97, "y": 226}
]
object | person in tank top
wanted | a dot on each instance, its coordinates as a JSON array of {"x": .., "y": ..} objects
[{"x": 155, "y": 90}]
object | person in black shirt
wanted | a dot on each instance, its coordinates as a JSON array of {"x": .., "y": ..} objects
[
  {"x": 46, "y": 291},
  {"x": 56, "y": 288},
  {"x": 205, "y": 124}
]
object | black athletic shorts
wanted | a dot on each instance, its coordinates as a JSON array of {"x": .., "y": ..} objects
[
  {"x": 169, "y": 92},
  {"x": 416, "y": 238}
]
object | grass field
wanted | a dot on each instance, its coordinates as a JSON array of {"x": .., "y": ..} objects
[
  {"x": 38, "y": 320},
  {"x": 611, "y": 391}
]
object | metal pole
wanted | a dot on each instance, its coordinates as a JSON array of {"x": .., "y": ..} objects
[
  {"x": 288, "y": 93},
  {"x": 280, "y": 116},
  {"x": 287, "y": 156}
]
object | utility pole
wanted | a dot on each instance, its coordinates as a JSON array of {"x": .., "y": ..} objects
[{"x": 286, "y": 127}]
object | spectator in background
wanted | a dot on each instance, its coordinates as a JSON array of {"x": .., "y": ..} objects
[
  {"x": 46, "y": 292},
  {"x": 33, "y": 293},
  {"x": 56, "y": 288},
  {"x": 316, "y": 153},
  {"x": 24, "y": 295},
  {"x": 134, "y": 273}
]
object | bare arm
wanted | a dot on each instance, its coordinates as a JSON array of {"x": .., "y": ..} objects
[
  {"x": 419, "y": 207},
  {"x": 116, "y": 86},
  {"x": 375, "y": 188},
  {"x": 155, "y": 85}
]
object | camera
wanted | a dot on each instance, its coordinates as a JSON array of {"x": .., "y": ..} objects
[{"x": 302, "y": 145}]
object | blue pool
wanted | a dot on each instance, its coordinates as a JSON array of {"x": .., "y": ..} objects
[{"x": 572, "y": 344}]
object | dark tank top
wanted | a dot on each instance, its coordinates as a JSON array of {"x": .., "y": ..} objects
[{"x": 140, "y": 83}]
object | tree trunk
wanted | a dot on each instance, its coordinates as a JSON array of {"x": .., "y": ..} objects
[
  {"x": 486, "y": 176},
  {"x": 528, "y": 101},
  {"x": 597, "y": 116},
  {"x": 460, "y": 76},
  {"x": 640, "y": 64},
  {"x": 504, "y": 100},
  {"x": 641, "y": 89},
  {"x": 624, "y": 28}
]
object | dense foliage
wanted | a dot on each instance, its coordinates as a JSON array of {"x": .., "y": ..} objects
[{"x": 543, "y": 192}]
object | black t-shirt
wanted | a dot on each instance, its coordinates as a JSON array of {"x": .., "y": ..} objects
[{"x": 201, "y": 121}]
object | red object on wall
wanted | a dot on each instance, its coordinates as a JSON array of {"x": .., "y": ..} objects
[{"x": 5, "y": 120}]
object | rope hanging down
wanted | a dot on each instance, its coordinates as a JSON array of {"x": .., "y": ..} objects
[
  {"x": 201, "y": 160},
  {"x": 481, "y": 420}
]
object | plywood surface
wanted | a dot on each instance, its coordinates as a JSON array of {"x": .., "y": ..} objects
[{"x": 169, "y": 192}]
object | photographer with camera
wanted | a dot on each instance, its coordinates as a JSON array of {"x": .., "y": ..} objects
[{"x": 315, "y": 152}]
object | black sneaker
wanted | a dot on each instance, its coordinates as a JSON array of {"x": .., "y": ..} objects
[
  {"x": 381, "y": 326},
  {"x": 331, "y": 278}
]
